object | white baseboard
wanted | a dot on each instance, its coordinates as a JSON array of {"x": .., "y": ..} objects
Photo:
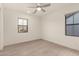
[
  {"x": 62, "y": 45},
  {"x": 19, "y": 42}
]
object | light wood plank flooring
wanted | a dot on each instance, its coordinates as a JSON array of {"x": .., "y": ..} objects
[{"x": 37, "y": 48}]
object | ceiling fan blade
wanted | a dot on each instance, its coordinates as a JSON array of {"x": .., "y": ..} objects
[
  {"x": 40, "y": 5},
  {"x": 43, "y": 10},
  {"x": 33, "y": 7},
  {"x": 34, "y": 11},
  {"x": 46, "y": 5}
]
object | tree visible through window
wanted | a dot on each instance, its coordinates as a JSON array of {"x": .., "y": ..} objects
[
  {"x": 72, "y": 24},
  {"x": 22, "y": 25}
]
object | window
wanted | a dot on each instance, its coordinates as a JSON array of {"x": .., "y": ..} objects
[
  {"x": 72, "y": 24},
  {"x": 22, "y": 25}
]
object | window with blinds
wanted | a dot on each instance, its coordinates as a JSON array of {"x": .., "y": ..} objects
[
  {"x": 22, "y": 25},
  {"x": 72, "y": 24}
]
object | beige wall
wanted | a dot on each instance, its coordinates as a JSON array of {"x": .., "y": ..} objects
[
  {"x": 1, "y": 27},
  {"x": 54, "y": 27},
  {"x": 11, "y": 36}
]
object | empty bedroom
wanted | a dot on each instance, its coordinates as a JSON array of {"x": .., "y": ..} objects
[{"x": 39, "y": 29}]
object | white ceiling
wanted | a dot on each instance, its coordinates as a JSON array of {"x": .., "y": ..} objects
[{"x": 23, "y": 7}]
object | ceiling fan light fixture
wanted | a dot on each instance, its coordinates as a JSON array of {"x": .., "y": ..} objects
[{"x": 39, "y": 9}]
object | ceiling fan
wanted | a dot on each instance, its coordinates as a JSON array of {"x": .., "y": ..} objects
[{"x": 40, "y": 7}]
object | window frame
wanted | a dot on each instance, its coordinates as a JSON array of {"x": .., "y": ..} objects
[
  {"x": 72, "y": 14},
  {"x": 18, "y": 26}
]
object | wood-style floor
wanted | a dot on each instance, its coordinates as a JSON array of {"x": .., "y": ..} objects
[{"x": 37, "y": 48}]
